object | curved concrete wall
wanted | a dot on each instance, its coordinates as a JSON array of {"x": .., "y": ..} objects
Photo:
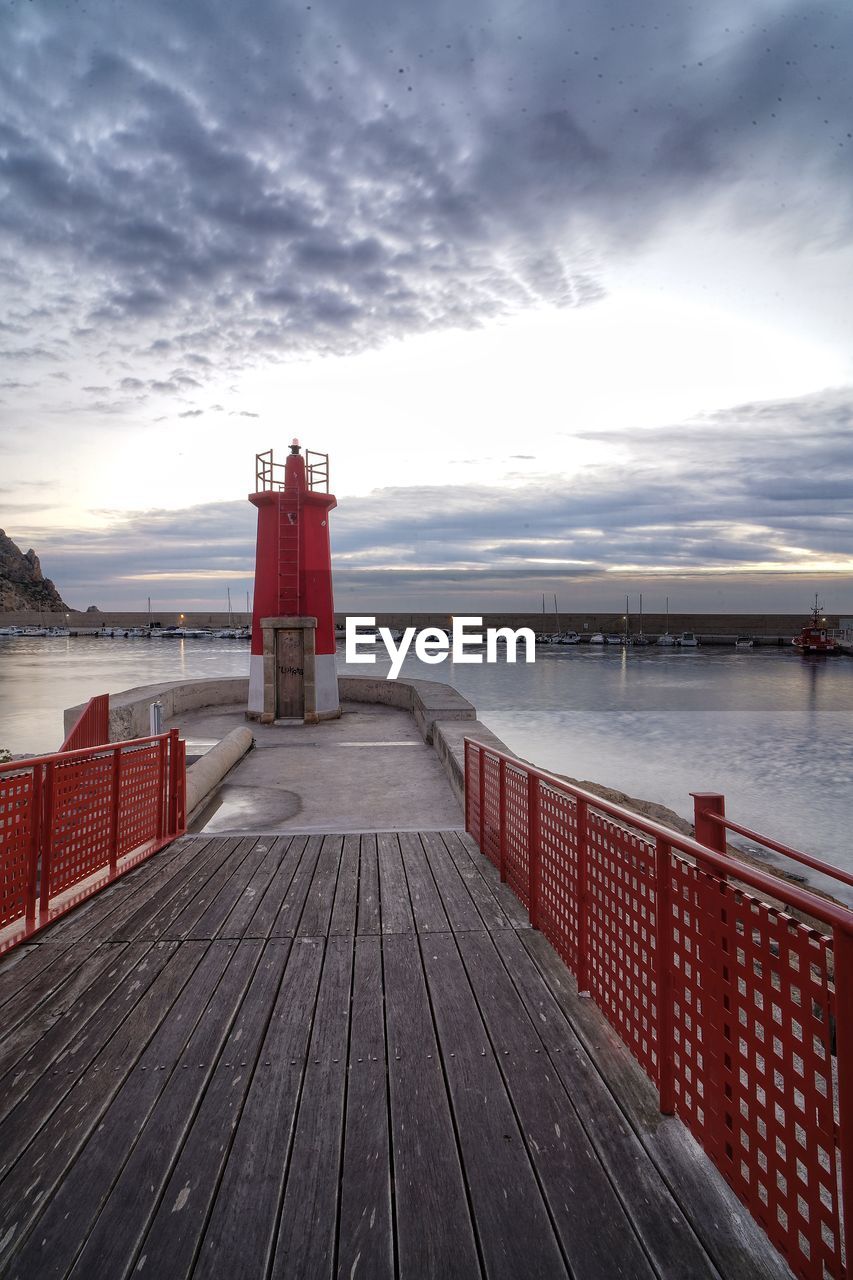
[
  {"x": 441, "y": 713},
  {"x": 129, "y": 716}
]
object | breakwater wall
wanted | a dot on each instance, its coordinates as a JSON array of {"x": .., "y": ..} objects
[{"x": 725, "y": 626}]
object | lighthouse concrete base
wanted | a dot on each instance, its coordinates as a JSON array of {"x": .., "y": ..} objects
[{"x": 290, "y": 680}]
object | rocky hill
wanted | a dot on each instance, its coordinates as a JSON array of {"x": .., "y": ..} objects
[{"x": 22, "y": 583}]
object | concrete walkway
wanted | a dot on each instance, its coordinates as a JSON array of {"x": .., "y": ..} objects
[{"x": 368, "y": 771}]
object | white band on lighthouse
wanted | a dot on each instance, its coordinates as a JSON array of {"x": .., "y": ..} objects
[
  {"x": 256, "y": 683},
  {"x": 326, "y": 684}
]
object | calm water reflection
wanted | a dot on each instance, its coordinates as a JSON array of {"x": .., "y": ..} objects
[{"x": 768, "y": 728}]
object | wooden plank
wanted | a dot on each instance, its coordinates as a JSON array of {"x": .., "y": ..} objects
[
  {"x": 210, "y": 922},
  {"x": 264, "y": 918},
  {"x": 60, "y": 1004},
  {"x": 154, "y": 1102},
  {"x": 345, "y": 910},
  {"x": 317, "y": 913},
  {"x": 157, "y": 913},
  {"x": 308, "y": 1225},
  {"x": 366, "y": 1240},
  {"x": 49, "y": 1071},
  {"x": 47, "y": 1157},
  {"x": 455, "y": 898},
  {"x": 290, "y": 911},
  {"x": 435, "y": 1236},
  {"x": 240, "y": 1233},
  {"x": 368, "y": 888},
  {"x": 429, "y": 914},
  {"x": 102, "y": 916},
  {"x": 395, "y": 908},
  {"x": 514, "y": 909},
  {"x": 46, "y": 1053},
  {"x": 26, "y": 961},
  {"x": 594, "y": 1229},
  {"x": 666, "y": 1233},
  {"x": 734, "y": 1241},
  {"x": 207, "y": 894},
  {"x": 490, "y": 910},
  {"x": 146, "y": 1213},
  {"x": 242, "y": 913},
  {"x": 43, "y": 985},
  {"x": 512, "y": 1222}
]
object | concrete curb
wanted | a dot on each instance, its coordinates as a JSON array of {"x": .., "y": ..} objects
[
  {"x": 428, "y": 701},
  {"x": 208, "y": 772},
  {"x": 449, "y": 745}
]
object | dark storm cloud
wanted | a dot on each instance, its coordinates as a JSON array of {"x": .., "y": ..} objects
[{"x": 308, "y": 179}]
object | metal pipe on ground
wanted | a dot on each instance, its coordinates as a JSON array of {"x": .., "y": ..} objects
[{"x": 209, "y": 771}]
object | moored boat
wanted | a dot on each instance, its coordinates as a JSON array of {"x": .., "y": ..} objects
[
  {"x": 815, "y": 636},
  {"x": 666, "y": 638}
]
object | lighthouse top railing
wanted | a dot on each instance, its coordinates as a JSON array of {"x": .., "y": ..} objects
[{"x": 270, "y": 475}]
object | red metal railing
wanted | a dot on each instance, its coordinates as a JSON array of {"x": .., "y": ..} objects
[
  {"x": 92, "y": 726},
  {"x": 270, "y": 475},
  {"x": 739, "y": 1013},
  {"x": 72, "y": 822},
  {"x": 711, "y": 824}
]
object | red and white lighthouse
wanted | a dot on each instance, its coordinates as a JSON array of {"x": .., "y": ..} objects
[{"x": 293, "y": 570}]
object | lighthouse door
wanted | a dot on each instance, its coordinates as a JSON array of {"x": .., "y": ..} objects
[{"x": 290, "y": 674}]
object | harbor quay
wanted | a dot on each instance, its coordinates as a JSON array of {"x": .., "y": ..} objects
[{"x": 710, "y": 628}]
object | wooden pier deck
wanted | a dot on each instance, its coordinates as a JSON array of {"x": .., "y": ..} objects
[{"x": 333, "y": 1056}]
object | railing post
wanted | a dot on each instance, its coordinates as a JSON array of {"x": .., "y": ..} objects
[
  {"x": 174, "y": 754},
  {"x": 163, "y": 772},
  {"x": 114, "y": 813},
  {"x": 706, "y": 831},
  {"x": 842, "y": 951},
  {"x": 47, "y": 838},
  {"x": 182, "y": 788},
  {"x": 35, "y": 844},
  {"x": 664, "y": 994},
  {"x": 468, "y": 749},
  {"x": 502, "y": 817},
  {"x": 481, "y": 783},
  {"x": 582, "y": 819},
  {"x": 534, "y": 847}
]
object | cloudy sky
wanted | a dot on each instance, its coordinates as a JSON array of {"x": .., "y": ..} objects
[{"x": 563, "y": 288}]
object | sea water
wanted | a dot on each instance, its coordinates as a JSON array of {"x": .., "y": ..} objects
[{"x": 770, "y": 729}]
